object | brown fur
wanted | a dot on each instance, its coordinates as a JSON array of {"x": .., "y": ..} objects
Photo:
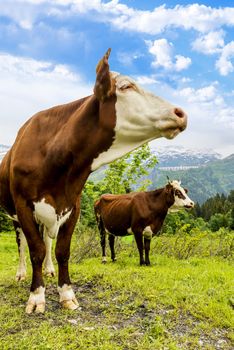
[
  {"x": 51, "y": 158},
  {"x": 135, "y": 211}
]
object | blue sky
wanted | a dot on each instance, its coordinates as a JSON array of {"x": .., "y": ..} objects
[{"x": 180, "y": 50}]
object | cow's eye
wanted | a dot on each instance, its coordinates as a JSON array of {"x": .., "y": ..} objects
[{"x": 127, "y": 87}]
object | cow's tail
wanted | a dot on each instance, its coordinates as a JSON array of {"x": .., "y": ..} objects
[
  {"x": 98, "y": 216},
  {"x": 101, "y": 228}
]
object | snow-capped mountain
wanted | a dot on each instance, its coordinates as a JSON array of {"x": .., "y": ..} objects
[{"x": 181, "y": 157}]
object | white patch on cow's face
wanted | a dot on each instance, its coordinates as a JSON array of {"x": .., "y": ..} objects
[
  {"x": 182, "y": 200},
  {"x": 46, "y": 216},
  {"x": 148, "y": 233},
  {"x": 21, "y": 271},
  {"x": 140, "y": 117}
]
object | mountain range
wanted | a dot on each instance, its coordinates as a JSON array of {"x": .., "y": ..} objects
[
  {"x": 181, "y": 157},
  {"x": 204, "y": 172}
]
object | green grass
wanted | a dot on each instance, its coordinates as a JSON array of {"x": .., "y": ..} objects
[{"x": 174, "y": 304}]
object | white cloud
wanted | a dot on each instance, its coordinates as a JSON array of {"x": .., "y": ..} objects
[
  {"x": 182, "y": 62},
  {"x": 211, "y": 106},
  {"x": 194, "y": 16},
  {"x": 30, "y": 68},
  {"x": 185, "y": 80},
  {"x": 146, "y": 80},
  {"x": 210, "y": 43},
  {"x": 224, "y": 64},
  {"x": 162, "y": 51},
  {"x": 205, "y": 95},
  {"x": 28, "y": 86},
  {"x": 198, "y": 17}
]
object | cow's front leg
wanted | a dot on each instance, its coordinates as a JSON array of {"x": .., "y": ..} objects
[
  {"x": 139, "y": 241},
  {"x": 62, "y": 251},
  {"x": 36, "y": 301},
  {"x": 147, "y": 250},
  {"x": 112, "y": 246}
]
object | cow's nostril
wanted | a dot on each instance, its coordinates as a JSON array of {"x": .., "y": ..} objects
[{"x": 179, "y": 112}]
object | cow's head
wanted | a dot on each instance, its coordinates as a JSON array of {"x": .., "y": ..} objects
[
  {"x": 140, "y": 116},
  {"x": 178, "y": 196}
]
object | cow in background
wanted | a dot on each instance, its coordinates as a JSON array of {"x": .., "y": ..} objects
[
  {"x": 43, "y": 174},
  {"x": 140, "y": 213}
]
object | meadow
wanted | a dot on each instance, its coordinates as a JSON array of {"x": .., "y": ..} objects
[{"x": 176, "y": 303}]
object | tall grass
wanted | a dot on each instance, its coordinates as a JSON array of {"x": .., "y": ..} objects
[{"x": 182, "y": 245}]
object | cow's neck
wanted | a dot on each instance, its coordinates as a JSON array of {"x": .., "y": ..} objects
[
  {"x": 159, "y": 202},
  {"x": 88, "y": 134},
  {"x": 116, "y": 151},
  {"x": 125, "y": 141}
]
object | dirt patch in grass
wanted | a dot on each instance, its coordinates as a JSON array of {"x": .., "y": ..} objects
[{"x": 98, "y": 311}]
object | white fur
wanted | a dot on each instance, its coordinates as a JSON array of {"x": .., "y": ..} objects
[
  {"x": 104, "y": 259},
  {"x": 37, "y": 297},
  {"x": 36, "y": 301},
  {"x": 148, "y": 233},
  {"x": 46, "y": 216},
  {"x": 179, "y": 202},
  {"x": 48, "y": 265},
  {"x": 66, "y": 293},
  {"x": 21, "y": 271},
  {"x": 141, "y": 117}
]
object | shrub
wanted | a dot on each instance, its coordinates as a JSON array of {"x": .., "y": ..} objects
[{"x": 5, "y": 222}]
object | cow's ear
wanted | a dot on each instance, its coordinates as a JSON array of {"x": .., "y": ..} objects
[
  {"x": 185, "y": 190},
  {"x": 169, "y": 188},
  {"x": 102, "y": 88}
]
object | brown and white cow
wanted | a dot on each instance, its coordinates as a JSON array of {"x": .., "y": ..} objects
[
  {"x": 140, "y": 213},
  {"x": 43, "y": 174}
]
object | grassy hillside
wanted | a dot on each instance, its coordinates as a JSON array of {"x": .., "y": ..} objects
[
  {"x": 174, "y": 304},
  {"x": 203, "y": 182}
]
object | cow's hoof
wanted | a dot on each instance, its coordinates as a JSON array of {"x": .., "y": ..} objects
[
  {"x": 49, "y": 271},
  {"x": 104, "y": 260},
  {"x": 20, "y": 277},
  {"x": 36, "y": 301},
  {"x": 70, "y": 304},
  {"x": 114, "y": 260},
  {"x": 50, "y": 274},
  {"x": 37, "y": 308}
]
